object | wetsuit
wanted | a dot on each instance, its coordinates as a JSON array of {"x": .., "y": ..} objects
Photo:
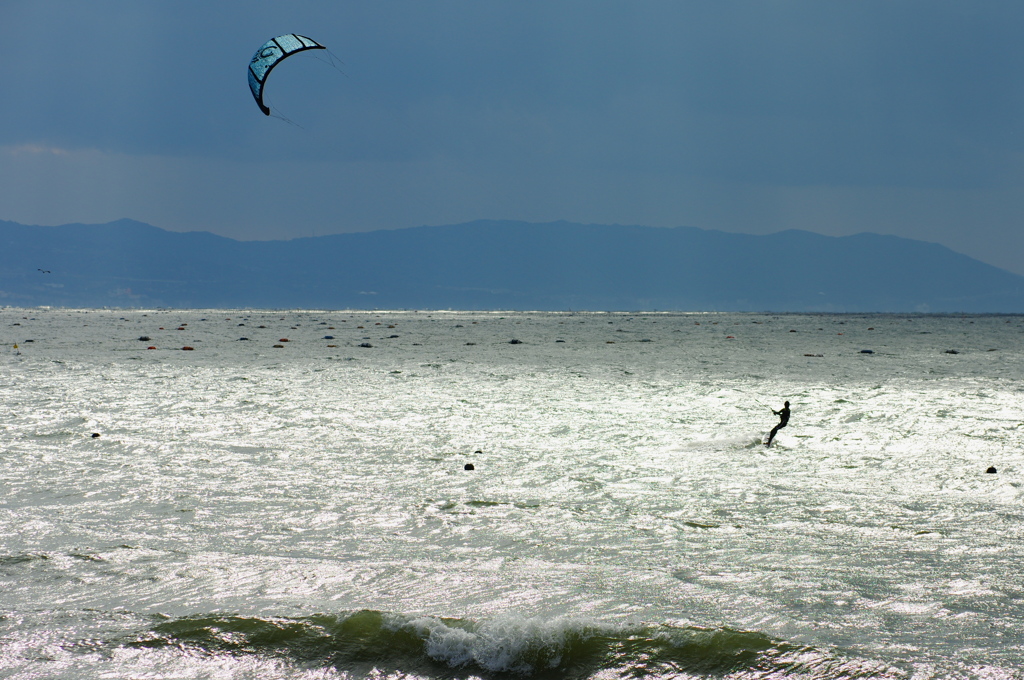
[{"x": 783, "y": 421}]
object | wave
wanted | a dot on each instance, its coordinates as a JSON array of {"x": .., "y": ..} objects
[{"x": 370, "y": 642}]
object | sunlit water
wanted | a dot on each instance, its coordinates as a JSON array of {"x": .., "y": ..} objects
[{"x": 303, "y": 511}]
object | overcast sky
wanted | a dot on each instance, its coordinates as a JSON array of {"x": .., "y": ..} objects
[{"x": 900, "y": 117}]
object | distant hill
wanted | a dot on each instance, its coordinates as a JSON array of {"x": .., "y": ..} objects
[{"x": 497, "y": 265}]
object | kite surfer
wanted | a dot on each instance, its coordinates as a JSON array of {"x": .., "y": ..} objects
[{"x": 783, "y": 415}]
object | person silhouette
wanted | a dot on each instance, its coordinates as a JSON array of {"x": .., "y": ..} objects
[{"x": 783, "y": 415}]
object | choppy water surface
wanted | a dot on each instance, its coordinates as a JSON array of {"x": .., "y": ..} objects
[{"x": 303, "y": 511}]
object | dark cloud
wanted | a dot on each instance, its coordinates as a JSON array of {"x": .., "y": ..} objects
[{"x": 869, "y": 115}]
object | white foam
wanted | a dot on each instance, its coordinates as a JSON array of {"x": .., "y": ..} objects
[{"x": 507, "y": 643}]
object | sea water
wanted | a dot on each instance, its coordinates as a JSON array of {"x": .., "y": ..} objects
[{"x": 289, "y": 498}]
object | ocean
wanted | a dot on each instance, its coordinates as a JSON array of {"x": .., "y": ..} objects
[{"x": 285, "y": 494}]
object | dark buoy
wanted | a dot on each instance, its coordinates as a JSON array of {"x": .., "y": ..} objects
[
  {"x": 468, "y": 466},
  {"x": 515, "y": 342},
  {"x": 991, "y": 471},
  {"x": 867, "y": 351},
  {"x": 95, "y": 435},
  {"x": 478, "y": 452}
]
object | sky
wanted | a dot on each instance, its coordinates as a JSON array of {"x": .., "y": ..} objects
[{"x": 901, "y": 117}]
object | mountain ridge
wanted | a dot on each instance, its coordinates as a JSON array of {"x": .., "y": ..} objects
[{"x": 494, "y": 264}]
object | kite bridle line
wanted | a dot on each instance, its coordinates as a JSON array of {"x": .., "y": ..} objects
[{"x": 332, "y": 61}]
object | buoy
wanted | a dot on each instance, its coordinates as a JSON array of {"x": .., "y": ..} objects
[
  {"x": 187, "y": 348},
  {"x": 95, "y": 435},
  {"x": 468, "y": 466},
  {"x": 151, "y": 347},
  {"x": 991, "y": 471},
  {"x": 283, "y": 340}
]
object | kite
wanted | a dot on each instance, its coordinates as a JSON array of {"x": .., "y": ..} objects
[{"x": 269, "y": 55}]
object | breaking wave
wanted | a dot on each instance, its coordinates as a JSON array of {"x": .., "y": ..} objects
[{"x": 370, "y": 642}]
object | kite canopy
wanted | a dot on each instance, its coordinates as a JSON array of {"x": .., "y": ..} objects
[{"x": 270, "y": 55}]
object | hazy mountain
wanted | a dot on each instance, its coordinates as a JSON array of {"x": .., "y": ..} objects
[{"x": 496, "y": 265}]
